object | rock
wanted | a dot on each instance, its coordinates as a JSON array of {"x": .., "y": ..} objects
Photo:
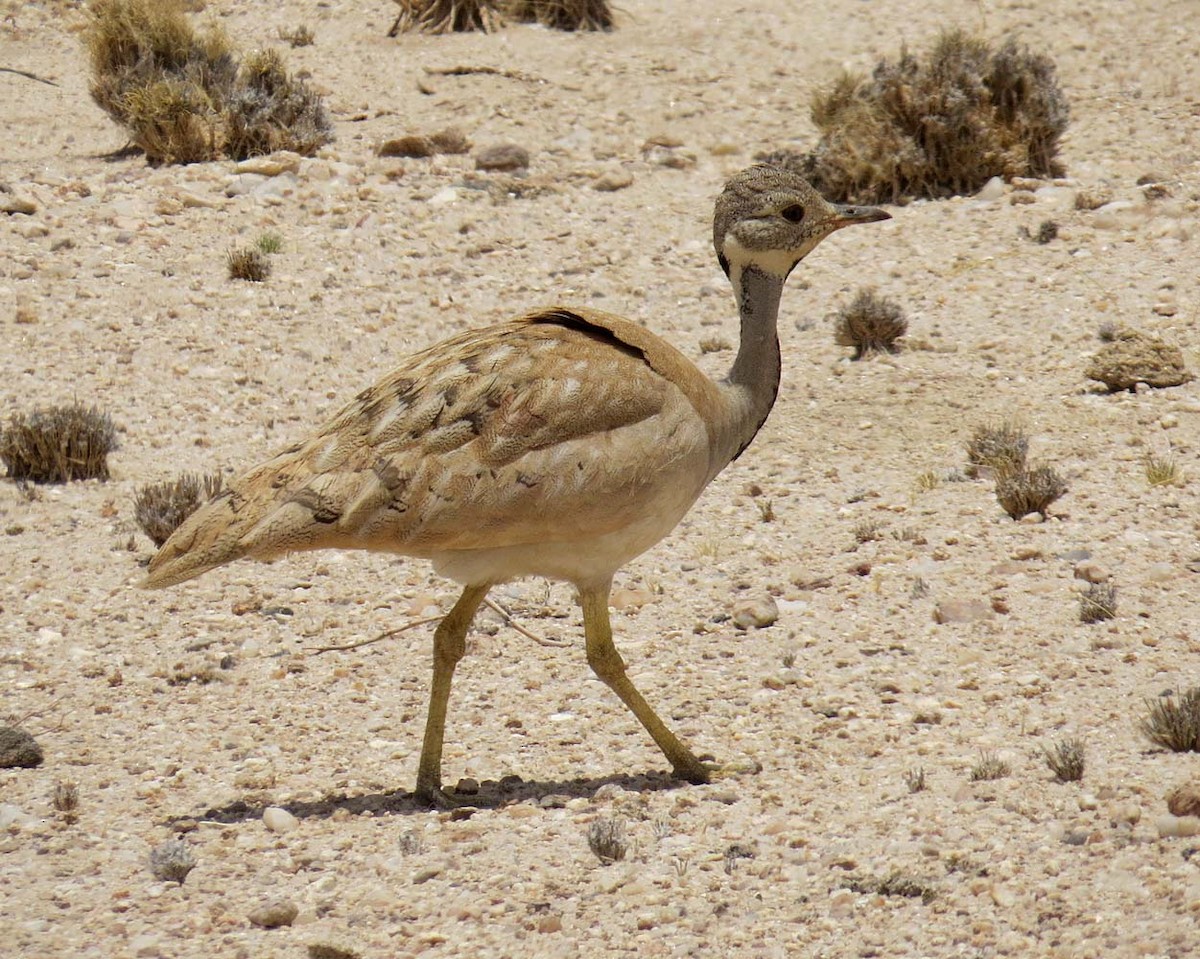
[
  {"x": 277, "y": 819},
  {"x": 331, "y": 950},
  {"x": 172, "y": 861},
  {"x": 18, "y": 749},
  {"x": 272, "y": 164},
  {"x": 1093, "y": 199},
  {"x": 422, "y": 876},
  {"x": 962, "y": 611},
  {"x": 414, "y": 146},
  {"x": 502, "y": 156},
  {"x": 273, "y": 914},
  {"x": 467, "y": 787},
  {"x": 451, "y": 140},
  {"x": 1092, "y": 573},
  {"x": 1184, "y": 800},
  {"x": 11, "y": 815},
  {"x": 16, "y": 204},
  {"x": 630, "y": 598},
  {"x": 1135, "y": 357},
  {"x": 612, "y": 181},
  {"x": 992, "y": 190},
  {"x": 1182, "y": 826},
  {"x": 419, "y": 146},
  {"x": 759, "y": 613},
  {"x": 1165, "y": 308}
]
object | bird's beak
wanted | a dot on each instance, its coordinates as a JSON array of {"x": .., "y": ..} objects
[{"x": 849, "y": 215}]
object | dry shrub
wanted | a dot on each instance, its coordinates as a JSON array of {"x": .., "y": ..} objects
[
  {"x": 270, "y": 110},
  {"x": 247, "y": 263},
  {"x": 1001, "y": 448},
  {"x": 871, "y": 324},
  {"x": 1098, "y": 603},
  {"x": 445, "y": 16},
  {"x": 1026, "y": 491},
  {"x": 184, "y": 97},
  {"x": 562, "y": 14},
  {"x": 162, "y": 507},
  {"x": 1066, "y": 760},
  {"x": 1174, "y": 723},
  {"x": 58, "y": 444},
  {"x": 938, "y": 125}
]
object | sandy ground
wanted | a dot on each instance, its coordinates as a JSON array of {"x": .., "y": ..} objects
[{"x": 114, "y": 291}]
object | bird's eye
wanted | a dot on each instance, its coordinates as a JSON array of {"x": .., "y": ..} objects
[{"x": 793, "y": 213}]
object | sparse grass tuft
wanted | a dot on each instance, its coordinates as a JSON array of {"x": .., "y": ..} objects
[
  {"x": 766, "y": 510},
  {"x": 914, "y": 779},
  {"x": 561, "y": 14},
  {"x": 989, "y": 767},
  {"x": 1029, "y": 491},
  {"x": 445, "y": 16},
  {"x": 868, "y": 531},
  {"x": 1162, "y": 470},
  {"x": 999, "y": 447},
  {"x": 1098, "y": 603},
  {"x": 937, "y": 125},
  {"x": 183, "y": 96},
  {"x": 606, "y": 838},
  {"x": 65, "y": 800},
  {"x": 1174, "y": 722},
  {"x": 247, "y": 263},
  {"x": 302, "y": 36},
  {"x": 269, "y": 242},
  {"x": 160, "y": 508},
  {"x": 1066, "y": 760},
  {"x": 58, "y": 444},
  {"x": 871, "y": 324},
  {"x": 927, "y": 481}
]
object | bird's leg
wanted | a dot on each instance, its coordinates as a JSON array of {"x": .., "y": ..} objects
[
  {"x": 607, "y": 663},
  {"x": 449, "y": 645}
]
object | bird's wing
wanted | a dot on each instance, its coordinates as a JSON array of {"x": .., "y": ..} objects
[{"x": 552, "y": 426}]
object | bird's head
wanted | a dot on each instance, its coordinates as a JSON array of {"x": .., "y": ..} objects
[{"x": 769, "y": 219}]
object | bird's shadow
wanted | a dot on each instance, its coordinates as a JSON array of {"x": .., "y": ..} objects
[{"x": 492, "y": 795}]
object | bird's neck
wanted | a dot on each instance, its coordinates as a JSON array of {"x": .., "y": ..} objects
[{"x": 753, "y": 381}]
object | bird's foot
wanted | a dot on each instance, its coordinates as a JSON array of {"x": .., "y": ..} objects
[
  {"x": 699, "y": 772},
  {"x": 433, "y": 796}
]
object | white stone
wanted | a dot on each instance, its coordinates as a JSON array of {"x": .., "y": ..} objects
[{"x": 277, "y": 819}]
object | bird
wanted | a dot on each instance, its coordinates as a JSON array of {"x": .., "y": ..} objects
[{"x": 560, "y": 444}]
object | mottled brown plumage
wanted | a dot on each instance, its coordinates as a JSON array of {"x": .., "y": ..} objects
[{"x": 561, "y": 444}]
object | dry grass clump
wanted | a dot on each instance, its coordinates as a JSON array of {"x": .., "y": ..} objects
[
  {"x": 938, "y": 125},
  {"x": 1000, "y": 447},
  {"x": 895, "y": 883},
  {"x": 989, "y": 767},
  {"x": 269, "y": 110},
  {"x": 248, "y": 263},
  {"x": 561, "y": 14},
  {"x": 1098, "y": 603},
  {"x": 161, "y": 507},
  {"x": 445, "y": 16},
  {"x": 58, "y": 444},
  {"x": 1174, "y": 723},
  {"x": 1066, "y": 760},
  {"x": 184, "y": 97},
  {"x": 1162, "y": 470},
  {"x": 1029, "y": 490},
  {"x": 871, "y": 324}
]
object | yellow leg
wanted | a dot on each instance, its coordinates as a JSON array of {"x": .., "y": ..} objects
[
  {"x": 449, "y": 645},
  {"x": 607, "y": 663}
]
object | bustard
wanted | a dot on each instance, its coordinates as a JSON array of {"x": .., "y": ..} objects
[{"x": 560, "y": 444}]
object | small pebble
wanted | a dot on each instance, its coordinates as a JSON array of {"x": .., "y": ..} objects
[
  {"x": 273, "y": 914},
  {"x": 277, "y": 819},
  {"x": 759, "y": 613},
  {"x": 467, "y": 786},
  {"x": 612, "y": 181},
  {"x": 1177, "y": 825}
]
